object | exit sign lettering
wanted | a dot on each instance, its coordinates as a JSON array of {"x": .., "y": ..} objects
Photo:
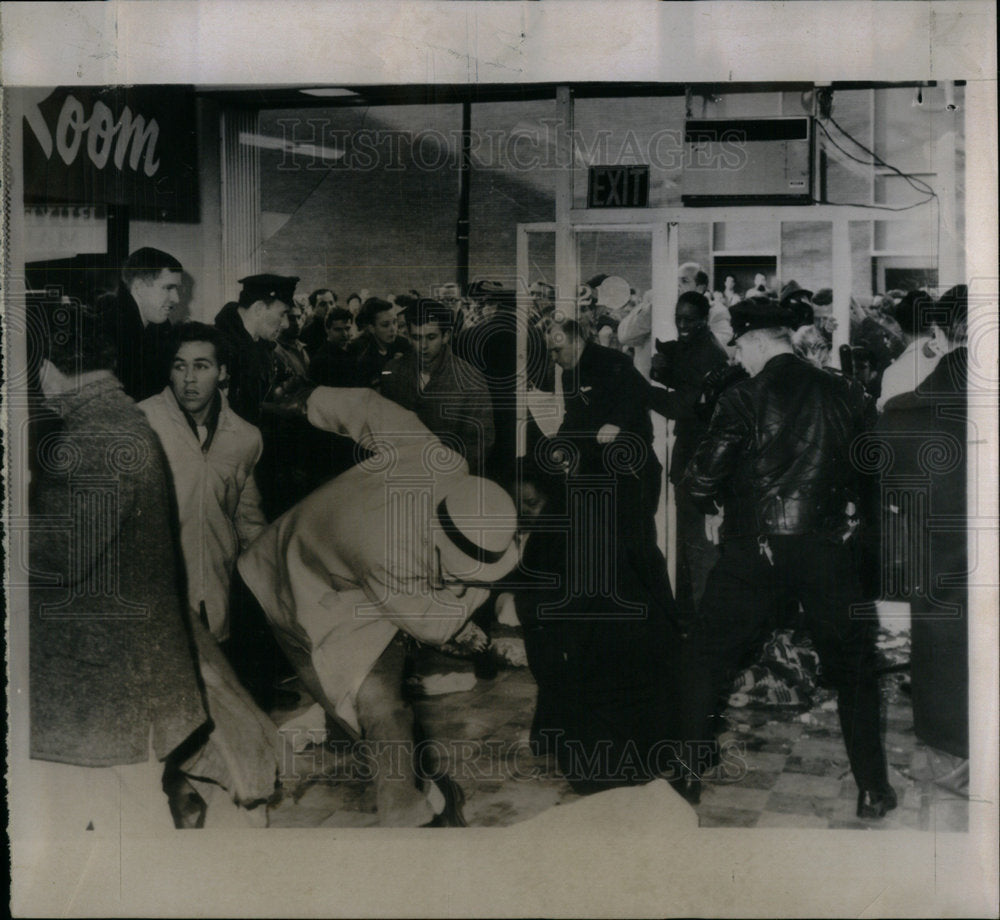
[{"x": 618, "y": 187}]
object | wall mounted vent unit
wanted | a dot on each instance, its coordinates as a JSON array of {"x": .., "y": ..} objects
[{"x": 747, "y": 161}]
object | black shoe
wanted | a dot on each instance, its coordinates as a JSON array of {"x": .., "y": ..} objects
[
  {"x": 187, "y": 807},
  {"x": 875, "y": 803},
  {"x": 454, "y": 799},
  {"x": 689, "y": 788},
  {"x": 485, "y": 665}
]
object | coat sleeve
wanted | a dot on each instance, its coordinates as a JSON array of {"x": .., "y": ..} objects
[
  {"x": 637, "y": 325},
  {"x": 670, "y": 403},
  {"x": 628, "y": 399},
  {"x": 250, "y": 519},
  {"x": 716, "y": 458},
  {"x": 359, "y": 413},
  {"x": 412, "y": 605}
]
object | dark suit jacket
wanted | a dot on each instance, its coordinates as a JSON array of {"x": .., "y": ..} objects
[
  {"x": 251, "y": 365},
  {"x": 369, "y": 362},
  {"x": 684, "y": 367},
  {"x": 924, "y": 439},
  {"x": 143, "y": 352},
  {"x": 455, "y": 404},
  {"x": 606, "y": 389}
]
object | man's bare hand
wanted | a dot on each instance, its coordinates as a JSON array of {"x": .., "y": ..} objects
[
  {"x": 607, "y": 433},
  {"x": 467, "y": 641}
]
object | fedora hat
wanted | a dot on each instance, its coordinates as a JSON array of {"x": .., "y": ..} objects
[{"x": 474, "y": 529}]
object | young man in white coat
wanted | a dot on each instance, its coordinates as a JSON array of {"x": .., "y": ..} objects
[
  {"x": 212, "y": 453},
  {"x": 406, "y": 541}
]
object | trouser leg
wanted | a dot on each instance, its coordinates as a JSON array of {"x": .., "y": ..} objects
[
  {"x": 696, "y": 554},
  {"x": 824, "y": 577},
  {"x": 737, "y": 608},
  {"x": 939, "y": 668},
  {"x": 635, "y": 524},
  {"x": 689, "y": 698},
  {"x": 387, "y": 724}
]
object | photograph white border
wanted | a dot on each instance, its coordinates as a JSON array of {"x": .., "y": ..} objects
[{"x": 601, "y": 860}]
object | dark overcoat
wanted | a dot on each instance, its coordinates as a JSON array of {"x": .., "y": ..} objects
[{"x": 111, "y": 660}]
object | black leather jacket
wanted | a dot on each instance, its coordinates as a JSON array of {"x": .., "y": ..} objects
[
  {"x": 682, "y": 367},
  {"x": 778, "y": 452}
]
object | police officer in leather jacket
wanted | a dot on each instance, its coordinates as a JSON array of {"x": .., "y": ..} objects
[{"x": 777, "y": 457}]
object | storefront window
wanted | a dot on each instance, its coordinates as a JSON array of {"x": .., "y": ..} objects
[
  {"x": 513, "y": 181},
  {"x": 361, "y": 199}
]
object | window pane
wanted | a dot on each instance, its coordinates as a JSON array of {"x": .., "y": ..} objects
[
  {"x": 622, "y": 132},
  {"x": 746, "y": 236},
  {"x": 361, "y": 199},
  {"x": 513, "y": 181}
]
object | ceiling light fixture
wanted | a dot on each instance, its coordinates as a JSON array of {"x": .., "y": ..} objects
[
  {"x": 328, "y": 92},
  {"x": 277, "y": 143}
]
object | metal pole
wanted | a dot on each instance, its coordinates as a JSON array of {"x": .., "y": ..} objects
[
  {"x": 117, "y": 235},
  {"x": 464, "y": 179},
  {"x": 566, "y": 269}
]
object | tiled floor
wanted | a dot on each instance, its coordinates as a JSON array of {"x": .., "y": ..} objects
[
  {"x": 783, "y": 769},
  {"x": 796, "y": 775}
]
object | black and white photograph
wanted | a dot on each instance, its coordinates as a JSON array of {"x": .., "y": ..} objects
[{"x": 568, "y": 424}]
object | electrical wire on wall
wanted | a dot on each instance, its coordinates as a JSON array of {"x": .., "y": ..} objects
[{"x": 825, "y": 107}]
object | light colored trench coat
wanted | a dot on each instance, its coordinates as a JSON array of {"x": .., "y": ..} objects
[{"x": 342, "y": 571}]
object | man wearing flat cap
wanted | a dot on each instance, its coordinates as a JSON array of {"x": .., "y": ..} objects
[
  {"x": 252, "y": 325},
  {"x": 778, "y": 457}
]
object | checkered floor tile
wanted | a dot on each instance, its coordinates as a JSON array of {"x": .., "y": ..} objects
[{"x": 788, "y": 769}]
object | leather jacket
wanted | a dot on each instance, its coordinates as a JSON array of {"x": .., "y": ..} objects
[
  {"x": 778, "y": 452},
  {"x": 682, "y": 367}
]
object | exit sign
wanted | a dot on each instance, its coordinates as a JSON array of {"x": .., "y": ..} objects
[{"x": 618, "y": 187}]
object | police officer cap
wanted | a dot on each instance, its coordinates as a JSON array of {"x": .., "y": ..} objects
[
  {"x": 798, "y": 301},
  {"x": 758, "y": 313},
  {"x": 267, "y": 287}
]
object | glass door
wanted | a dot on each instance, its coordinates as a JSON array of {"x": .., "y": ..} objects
[{"x": 619, "y": 269}]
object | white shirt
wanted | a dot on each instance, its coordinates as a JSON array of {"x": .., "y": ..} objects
[{"x": 908, "y": 371}]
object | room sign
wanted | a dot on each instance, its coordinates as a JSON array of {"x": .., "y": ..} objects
[{"x": 132, "y": 146}]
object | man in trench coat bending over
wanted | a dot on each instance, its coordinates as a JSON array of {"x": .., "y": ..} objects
[{"x": 405, "y": 541}]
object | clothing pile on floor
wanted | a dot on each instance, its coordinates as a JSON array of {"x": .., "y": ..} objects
[
  {"x": 453, "y": 669},
  {"x": 785, "y": 676},
  {"x": 892, "y": 651}
]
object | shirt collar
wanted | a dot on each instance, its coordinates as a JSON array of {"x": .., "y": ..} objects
[{"x": 211, "y": 421}]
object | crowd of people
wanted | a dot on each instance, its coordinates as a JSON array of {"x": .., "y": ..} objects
[{"x": 309, "y": 489}]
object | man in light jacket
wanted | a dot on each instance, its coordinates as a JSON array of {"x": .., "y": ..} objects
[
  {"x": 212, "y": 454},
  {"x": 405, "y": 540}
]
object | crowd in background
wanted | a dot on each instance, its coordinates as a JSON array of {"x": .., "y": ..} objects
[{"x": 267, "y": 418}]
